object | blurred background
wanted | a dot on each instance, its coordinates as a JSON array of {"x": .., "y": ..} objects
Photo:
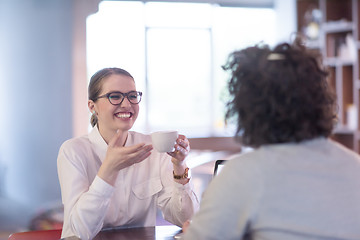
[{"x": 50, "y": 48}]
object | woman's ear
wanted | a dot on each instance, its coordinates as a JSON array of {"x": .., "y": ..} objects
[{"x": 91, "y": 106}]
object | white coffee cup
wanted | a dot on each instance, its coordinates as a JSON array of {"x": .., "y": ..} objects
[{"x": 164, "y": 141}]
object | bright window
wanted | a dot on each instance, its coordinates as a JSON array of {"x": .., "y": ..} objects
[{"x": 175, "y": 52}]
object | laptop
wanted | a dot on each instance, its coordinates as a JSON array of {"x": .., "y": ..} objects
[{"x": 219, "y": 164}]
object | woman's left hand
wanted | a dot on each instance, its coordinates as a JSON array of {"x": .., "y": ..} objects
[{"x": 182, "y": 149}]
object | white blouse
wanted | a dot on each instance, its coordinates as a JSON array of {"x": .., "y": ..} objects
[{"x": 91, "y": 204}]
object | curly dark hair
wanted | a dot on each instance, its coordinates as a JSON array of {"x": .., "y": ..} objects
[{"x": 280, "y": 95}]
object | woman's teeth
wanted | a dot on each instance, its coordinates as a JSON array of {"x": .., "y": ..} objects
[{"x": 123, "y": 115}]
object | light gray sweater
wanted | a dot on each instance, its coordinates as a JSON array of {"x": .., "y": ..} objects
[{"x": 308, "y": 190}]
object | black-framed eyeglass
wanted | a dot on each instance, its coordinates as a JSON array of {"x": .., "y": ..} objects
[{"x": 116, "y": 98}]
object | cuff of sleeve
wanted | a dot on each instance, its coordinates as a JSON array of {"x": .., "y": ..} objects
[
  {"x": 186, "y": 187},
  {"x": 101, "y": 187}
]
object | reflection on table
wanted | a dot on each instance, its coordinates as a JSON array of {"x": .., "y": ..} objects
[{"x": 141, "y": 233}]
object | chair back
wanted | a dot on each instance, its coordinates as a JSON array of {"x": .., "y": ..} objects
[{"x": 54, "y": 234}]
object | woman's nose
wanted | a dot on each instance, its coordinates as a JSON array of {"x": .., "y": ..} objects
[{"x": 125, "y": 102}]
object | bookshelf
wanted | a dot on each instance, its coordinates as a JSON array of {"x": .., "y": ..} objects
[{"x": 332, "y": 27}]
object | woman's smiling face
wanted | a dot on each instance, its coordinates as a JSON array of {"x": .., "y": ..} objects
[{"x": 116, "y": 117}]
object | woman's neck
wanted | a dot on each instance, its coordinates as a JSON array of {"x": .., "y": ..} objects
[{"x": 107, "y": 135}]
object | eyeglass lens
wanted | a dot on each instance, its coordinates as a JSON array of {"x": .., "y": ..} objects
[{"x": 117, "y": 97}]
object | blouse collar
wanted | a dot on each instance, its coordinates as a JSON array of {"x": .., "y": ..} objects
[{"x": 98, "y": 142}]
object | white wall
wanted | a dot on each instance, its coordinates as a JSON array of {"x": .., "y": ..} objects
[
  {"x": 35, "y": 96},
  {"x": 286, "y": 19}
]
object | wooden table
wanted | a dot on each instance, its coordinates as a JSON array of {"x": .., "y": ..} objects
[{"x": 167, "y": 232}]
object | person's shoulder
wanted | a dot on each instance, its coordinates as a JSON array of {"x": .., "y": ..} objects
[
  {"x": 243, "y": 162},
  {"x": 76, "y": 143},
  {"x": 337, "y": 148},
  {"x": 246, "y": 157},
  {"x": 252, "y": 164},
  {"x": 75, "y": 151},
  {"x": 244, "y": 172}
]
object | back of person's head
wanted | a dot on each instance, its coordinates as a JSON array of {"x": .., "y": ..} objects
[{"x": 280, "y": 95}]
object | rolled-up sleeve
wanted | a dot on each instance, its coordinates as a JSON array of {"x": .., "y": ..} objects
[{"x": 178, "y": 202}]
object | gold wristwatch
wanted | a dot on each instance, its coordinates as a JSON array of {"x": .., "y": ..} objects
[{"x": 185, "y": 175}]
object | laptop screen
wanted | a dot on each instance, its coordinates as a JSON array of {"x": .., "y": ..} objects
[{"x": 219, "y": 164}]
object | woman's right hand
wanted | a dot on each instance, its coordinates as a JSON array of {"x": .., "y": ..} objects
[{"x": 119, "y": 157}]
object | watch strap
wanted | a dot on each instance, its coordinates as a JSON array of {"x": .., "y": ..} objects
[{"x": 183, "y": 176}]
